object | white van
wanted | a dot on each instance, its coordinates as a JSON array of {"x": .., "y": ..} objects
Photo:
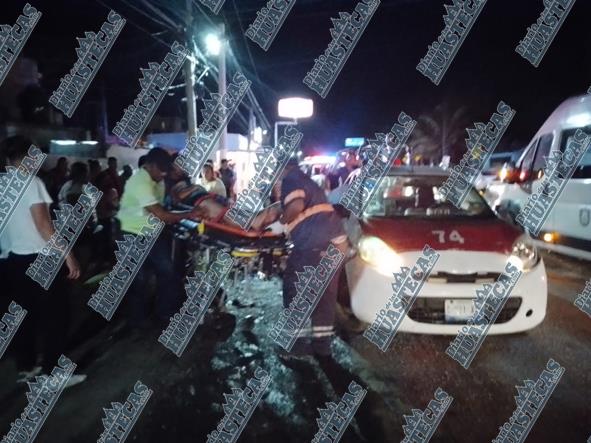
[{"x": 568, "y": 227}]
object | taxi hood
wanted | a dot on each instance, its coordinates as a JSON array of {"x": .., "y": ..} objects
[{"x": 462, "y": 233}]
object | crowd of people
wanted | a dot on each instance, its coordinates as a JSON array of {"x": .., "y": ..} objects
[
  {"x": 329, "y": 177},
  {"x": 127, "y": 197},
  {"x": 156, "y": 187},
  {"x": 64, "y": 184}
]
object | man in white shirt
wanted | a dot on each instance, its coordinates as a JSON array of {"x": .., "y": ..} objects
[
  {"x": 28, "y": 230},
  {"x": 211, "y": 183}
]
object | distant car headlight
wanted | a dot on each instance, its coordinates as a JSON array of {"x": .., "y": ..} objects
[
  {"x": 379, "y": 255},
  {"x": 524, "y": 254}
]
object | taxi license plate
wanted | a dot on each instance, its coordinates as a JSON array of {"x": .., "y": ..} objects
[{"x": 458, "y": 310}]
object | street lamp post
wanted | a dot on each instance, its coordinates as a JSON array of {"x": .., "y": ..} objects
[
  {"x": 294, "y": 108},
  {"x": 189, "y": 70},
  {"x": 216, "y": 45},
  {"x": 222, "y": 89},
  {"x": 282, "y": 123}
]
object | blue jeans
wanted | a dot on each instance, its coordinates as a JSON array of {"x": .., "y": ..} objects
[{"x": 169, "y": 284}]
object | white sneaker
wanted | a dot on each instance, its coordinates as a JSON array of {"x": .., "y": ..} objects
[
  {"x": 25, "y": 376},
  {"x": 75, "y": 380}
]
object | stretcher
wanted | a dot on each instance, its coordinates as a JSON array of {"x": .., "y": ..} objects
[{"x": 261, "y": 254}]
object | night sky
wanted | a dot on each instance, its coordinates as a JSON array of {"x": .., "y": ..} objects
[{"x": 378, "y": 81}]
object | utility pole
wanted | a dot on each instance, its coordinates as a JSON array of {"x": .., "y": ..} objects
[
  {"x": 222, "y": 148},
  {"x": 251, "y": 126},
  {"x": 103, "y": 121},
  {"x": 248, "y": 172},
  {"x": 189, "y": 71}
]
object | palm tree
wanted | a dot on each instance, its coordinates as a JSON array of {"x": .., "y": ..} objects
[{"x": 441, "y": 133}]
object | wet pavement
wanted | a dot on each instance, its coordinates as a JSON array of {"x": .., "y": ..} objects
[{"x": 227, "y": 348}]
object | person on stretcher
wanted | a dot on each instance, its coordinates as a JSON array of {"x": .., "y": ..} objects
[{"x": 213, "y": 207}]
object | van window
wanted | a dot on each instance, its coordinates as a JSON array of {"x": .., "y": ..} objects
[
  {"x": 584, "y": 168},
  {"x": 527, "y": 162},
  {"x": 542, "y": 153},
  {"x": 495, "y": 163}
]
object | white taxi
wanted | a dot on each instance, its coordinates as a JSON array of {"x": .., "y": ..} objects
[{"x": 406, "y": 213}]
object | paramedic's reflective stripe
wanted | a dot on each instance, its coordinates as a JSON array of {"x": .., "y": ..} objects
[
  {"x": 316, "y": 209},
  {"x": 316, "y": 331},
  {"x": 322, "y": 331},
  {"x": 339, "y": 239},
  {"x": 293, "y": 195}
]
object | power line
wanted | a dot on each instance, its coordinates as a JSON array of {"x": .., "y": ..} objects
[
  {"x": 245, "y": 42},
  {"x": 198, "y": 54},
  {"x": 138, "y": 26},
  {"x": 164, "y": 17},
  {"x": 252, "y": 98},
  {"x": 204, "y": 14}
]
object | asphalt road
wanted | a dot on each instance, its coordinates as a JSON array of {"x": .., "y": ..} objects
[{"x": 188, "y": 391}]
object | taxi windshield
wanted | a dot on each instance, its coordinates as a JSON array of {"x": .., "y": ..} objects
[{"x": 418, "y": 196}]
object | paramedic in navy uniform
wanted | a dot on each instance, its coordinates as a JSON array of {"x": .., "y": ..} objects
[{"x": 312, "y": 224}]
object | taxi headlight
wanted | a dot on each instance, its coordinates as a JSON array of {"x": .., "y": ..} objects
[
  {"x": 524, "y": 253},
  {"x": 379, "y": 255}
]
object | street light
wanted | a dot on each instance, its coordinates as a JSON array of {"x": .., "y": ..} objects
[
  {"x": 294, "y": 108},
  {"x": 213, "y": 44}
]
